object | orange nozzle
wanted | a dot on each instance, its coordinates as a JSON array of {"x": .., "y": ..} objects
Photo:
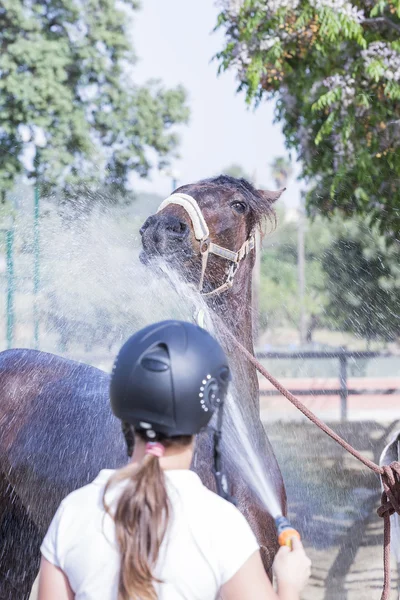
[
  {"x": 286, "y": 536},
  {"x": 285, "y": 532}
]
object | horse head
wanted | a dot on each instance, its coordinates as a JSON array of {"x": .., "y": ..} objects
[{"x": 231, "y": 209}]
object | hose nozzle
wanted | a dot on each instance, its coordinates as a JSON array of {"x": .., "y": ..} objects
[{"x": 285, "y": 531}]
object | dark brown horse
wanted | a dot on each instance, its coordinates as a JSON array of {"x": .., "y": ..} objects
[{"x": 56, "y": 428}]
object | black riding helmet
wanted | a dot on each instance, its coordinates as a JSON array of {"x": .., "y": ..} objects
[{"x": 169, "y": 378}]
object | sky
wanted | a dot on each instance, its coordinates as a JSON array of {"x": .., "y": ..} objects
[{"x": 174, "y": 42}]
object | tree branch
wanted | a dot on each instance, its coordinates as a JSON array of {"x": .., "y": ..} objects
[{"x": 381, "y": 20}]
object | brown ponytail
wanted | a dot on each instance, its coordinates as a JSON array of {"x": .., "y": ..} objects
[{"x": 141, "y": 520}]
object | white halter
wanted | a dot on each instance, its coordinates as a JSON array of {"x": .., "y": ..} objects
[{"x": 202, "y": 234}]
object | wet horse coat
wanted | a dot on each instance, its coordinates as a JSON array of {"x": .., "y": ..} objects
[{"x": 57, "y": 430}]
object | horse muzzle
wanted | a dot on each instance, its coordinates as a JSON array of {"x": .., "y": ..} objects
[{"x": 165, "y": 236}]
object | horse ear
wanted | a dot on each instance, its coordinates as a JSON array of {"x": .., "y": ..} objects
[{"x": 271, "y": 196}]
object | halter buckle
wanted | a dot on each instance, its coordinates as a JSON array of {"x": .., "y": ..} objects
[
  {"x": 231, "y": 274},
  {"x": 204, "y": 245}
]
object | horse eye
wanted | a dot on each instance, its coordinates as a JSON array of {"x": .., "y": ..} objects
[{"x": 239, "y": 207}]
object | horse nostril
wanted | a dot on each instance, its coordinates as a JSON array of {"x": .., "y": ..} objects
[
  {"x": 164, "y": 227},
  {"x": 176, "y": 227}
]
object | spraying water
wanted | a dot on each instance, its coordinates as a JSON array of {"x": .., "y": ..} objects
[
  {"x": 236, "y": 433},
  {"x": 95, "y": 292}
]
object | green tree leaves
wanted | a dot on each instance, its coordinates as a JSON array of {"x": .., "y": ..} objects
[
  {"x": 363, "y": 284},
  {"x": 279, "y": 304},
  {"x": 334, "y": 68},
  {"x": 352, "y": 278},
  {"x": 69, "y": 112}
]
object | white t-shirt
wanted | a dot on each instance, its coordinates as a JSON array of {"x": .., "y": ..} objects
[{"x": 206, "y": 543}]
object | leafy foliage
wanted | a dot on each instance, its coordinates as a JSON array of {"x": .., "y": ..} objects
[
  {"x": 67, "y": 106},
  {"x": 363, "y": 283},
  {"x": 334, "y": 68},
  {"x": 279, "y": 305},
  {"x": 352, "y": 278}
]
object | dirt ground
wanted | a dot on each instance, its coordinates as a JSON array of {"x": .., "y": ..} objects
[{"x": 332, "y": 501}]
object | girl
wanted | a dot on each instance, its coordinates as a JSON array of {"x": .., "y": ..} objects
[{"x": 152, "y": 530}]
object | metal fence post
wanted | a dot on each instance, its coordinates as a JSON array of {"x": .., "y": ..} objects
[
  {"x": 301, "y": 262},
  {"x": 10, "y": 283},
  {"x": 343, "y": 385},
  {"x": 36, "y": 268}
]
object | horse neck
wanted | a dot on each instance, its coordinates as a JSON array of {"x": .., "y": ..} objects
[{"x": 234, "y": 309}]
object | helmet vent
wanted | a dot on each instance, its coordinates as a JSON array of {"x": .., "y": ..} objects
[{"x": 156, "y": 360}]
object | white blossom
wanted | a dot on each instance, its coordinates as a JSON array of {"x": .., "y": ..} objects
[
  {"x": 241, "y": 54},
  {"x": 274, "y": 5},
  {"x": 268, "y": 42},
  {"x": 25, "y": 133},
  {"x": 306, "y": 138},
  {"x": 232, "y": 7},
  {"x": 343, "y": 151},
  {"x": 39, "y": 136},
  {"x": 387, "y": 55},
  {"x": 343, "y": 7},
  {"x": 343, "y": 148},
  {"x": 346, "y": 83}
]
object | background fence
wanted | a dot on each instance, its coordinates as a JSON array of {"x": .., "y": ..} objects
[{"x": 383, "y": 384}]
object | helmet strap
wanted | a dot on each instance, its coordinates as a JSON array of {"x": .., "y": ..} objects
[{"x": 220, "y": 477}]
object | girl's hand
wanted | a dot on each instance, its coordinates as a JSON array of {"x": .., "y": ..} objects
[{"x": 292, "y": 567}]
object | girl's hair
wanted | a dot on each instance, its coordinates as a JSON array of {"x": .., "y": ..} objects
[{"x": 141, "y": 519}]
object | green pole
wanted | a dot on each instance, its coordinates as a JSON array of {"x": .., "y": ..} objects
[
  {"x": 36, "y": 268},
  {"x": 10, "y": 284}
]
